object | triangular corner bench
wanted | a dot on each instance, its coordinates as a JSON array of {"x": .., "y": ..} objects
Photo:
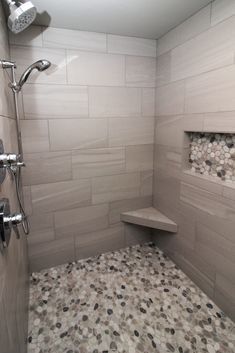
[{"x": 149, "y": 217}]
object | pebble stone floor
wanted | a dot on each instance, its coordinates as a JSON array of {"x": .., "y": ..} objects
[{"x": 133, "y": 300}]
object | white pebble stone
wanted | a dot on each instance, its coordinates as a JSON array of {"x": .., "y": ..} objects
[
  {"x": 210, "y": 348},
  {"x": 36, "y": 322}
]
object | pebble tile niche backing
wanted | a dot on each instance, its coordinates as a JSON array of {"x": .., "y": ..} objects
[{"x": 213, "y": 154}]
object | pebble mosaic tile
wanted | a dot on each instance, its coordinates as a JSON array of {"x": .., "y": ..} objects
[
  {"x": 133, "y": 300},
  {"x": 213, "y": 154}
]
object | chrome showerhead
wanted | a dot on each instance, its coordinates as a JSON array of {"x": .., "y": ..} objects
[
  {"x": 22, "y": 14},
  {"x": 39, "y": 65}
]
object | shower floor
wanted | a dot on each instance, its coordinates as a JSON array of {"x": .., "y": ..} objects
[{"x": 134, "y": 300}]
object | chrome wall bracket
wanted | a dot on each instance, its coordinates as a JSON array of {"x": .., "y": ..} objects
[
  {"x": 2, "y": 170},
  {"x": 8, "y": 222}
]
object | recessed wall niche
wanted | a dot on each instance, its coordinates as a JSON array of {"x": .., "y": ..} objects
[{"x": 212, "y": 154}]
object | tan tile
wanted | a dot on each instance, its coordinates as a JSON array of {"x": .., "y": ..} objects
[
  {"x": 35, "y": 136},
  {"x": 139, "y": 158},
  {"x": 169, "y": 131},
  {"x": 131, "y": 45},
  {"x": 31, "y": 36},
  {"x": 208, "y": 51},
  {"x": 137, "y": 235},
  {"x": 55, "y": 101},
  {"x": 131, "y": 131},
  {"x": 81, "y": 220},
  {"x": 116, "y": 187},
  {"x": 224, "y": 295},
  {"x": 188, "y": 29},
  {"x": 47, "y": 167},
  {"x": 60, "y": 196},
  {"x": 98, "y": 162},
  {"x": 219, "y": 122},
  {"x": 118, "y": 207},
  {"x": 163, "y": 75},
  {"x": 146, "y": 180},
  {"x": 140, "y": 71},
  {"x": 148, "y": 102},
  {"x": 221, "y": 9},
  {"x": 73, "y": 39},
  {"x": 74, "y": 134},
  {"x": 170, "y": 99},
  {"x": 114, "y": 102},
  {"x": 49, "y": 254},
  {"x": 92, "y": 244}
]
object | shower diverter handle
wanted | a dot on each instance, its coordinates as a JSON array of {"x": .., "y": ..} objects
[{"x": 8, "y": 222}]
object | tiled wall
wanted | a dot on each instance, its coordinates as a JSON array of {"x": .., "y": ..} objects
[
  {"x": 196, "y": 92},
  {"x": 88, "y": 139},
  {"x": 13, "y": 260}
]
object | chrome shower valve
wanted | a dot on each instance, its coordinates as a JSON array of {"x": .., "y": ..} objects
[
  {"x": 8, "y": 160},
  {"x": 8, "y": 222}
]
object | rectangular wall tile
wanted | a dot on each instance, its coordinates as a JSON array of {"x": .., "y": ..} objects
[
  {"x": 35, "y": 136},
  {"x": 210, "y": 50},
  {"x": 169, "y": 131},
  {"x": 148, "y": 102},
  {"x": 31, "y": 36},
  {"x": 117, "y": 207},
  {"x": 170, "y": 99},
  {"x": 211, "y": 92},
  {"x": 114, "y": 102},
  {"x": 219, "y": 122},
  {"x": 95, "y": 69},
  {"x": 221, "y": 9},
  {"x": 131, "y": 46},
  {"x": 55, "y": 101},
  {"x": 188, "y": 29},
  {"x": 163, "y": 74},
  {"x": 76, "y": 134},
  {"x": 146, "y": 181},
  {"x": 60, "y": 196},
  {"x": 140, "y": 71},
  {"x": 51, "y": 253},
  {"x": 25, "y": 56},
  {"x": 224, "y": 290},
  {"x": 81, "y": 220},
  {"x": 73, "y": 39},
  {"x": 136, "y": 235},
  {"x": 41, "y": 228},
  {"x": 47, "y": 167},
  {"x": 131, "y": 131},
  {"x": 139, "y": 158},
  {"x": 116, "y": 187},
  {"x": 96, "y": 243},
  {"x": 98, "y": 162}
]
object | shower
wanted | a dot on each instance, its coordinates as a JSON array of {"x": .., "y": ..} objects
[
  {"x": 22, "y": 14},
  {"x": 14, "y": 165}
]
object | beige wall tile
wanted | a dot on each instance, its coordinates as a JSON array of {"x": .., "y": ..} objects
[
  {"x": 60, "y": 196},
  {"x": 41, "y": 228},
  {"x": 117, "y": 207},
  {"x": 25, "y": 56},
  {"x": 75, "y": 134},
  {"x": 170, "y": 99},
  {"x": 148, "y": 102},
  {"x": 219, "y": 122},
  {"x": 31, "y": 36},
  {"x": 146, "y": 180},
  {"x": 49, "y": 254},
  {"x": 96, "y": 243},
  {"x": 137, "y": 235},
  {"x": 140, "y": 71},
  {"x": 130, "y": 131},
  {"x": 131, "y": 46},
  {"x": 98, "y": 162},
  {"x": 169, "y": 131},
  {"x": 35, "y": 136},
  {"x": 210, "y": 50},
  {"x": 188, "y": 29},
  {"x": 47, "y": 167},
  {"x": 114, "y": 102},
  {"x": 221, "y": 9},
  {"x": 115, "y": 187},
  {"x": 72, "y": 39},
  {"x": 55, "y": 101},
  {"x": 163, "y": 74},
  {"x": 224, "y": 290},
  {"x": 211, "y": 92},
  {"x": 139, "y": 158},
  {"x": 81, "y": 220},
  {"x": 95, "y": 69}
]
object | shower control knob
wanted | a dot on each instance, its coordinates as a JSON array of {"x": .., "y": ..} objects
[
  {"x": 10, "y": 160},
  {"x": 8, "y": 222}
]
